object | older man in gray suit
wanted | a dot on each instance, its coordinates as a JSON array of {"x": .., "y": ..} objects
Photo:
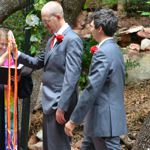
[
  {"x": 61, "y": 61},
  {"x": 102, "y": 101}
]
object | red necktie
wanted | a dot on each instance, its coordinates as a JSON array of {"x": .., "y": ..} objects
[{"x": 52, "y": 42}]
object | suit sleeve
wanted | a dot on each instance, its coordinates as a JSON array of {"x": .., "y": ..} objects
[
  {"x": 96, "y": 79},
  {"x": 72, "y": 72},
  {"x": 32, "y": 62}
]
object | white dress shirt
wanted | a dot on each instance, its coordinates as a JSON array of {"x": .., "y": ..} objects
[
  {"x": 60, "y": 31},
  {"x": 104, "y": 41}
]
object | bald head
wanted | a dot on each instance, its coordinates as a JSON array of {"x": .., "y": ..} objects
[{"x": 52, "y": 8}]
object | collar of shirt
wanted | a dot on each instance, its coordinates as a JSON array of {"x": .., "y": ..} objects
[
  {"x": 104, "y": 41},
  {"x": 61, "y": 30}
]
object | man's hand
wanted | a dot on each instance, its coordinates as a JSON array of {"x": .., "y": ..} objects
[
  {"x": 69, "y": 127},
  {"x": 60, "y": 116}
]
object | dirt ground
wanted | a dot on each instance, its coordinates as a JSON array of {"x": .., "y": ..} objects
[
  {"x": 137, "y": 103},
  {"x": 127, "y": 22}
]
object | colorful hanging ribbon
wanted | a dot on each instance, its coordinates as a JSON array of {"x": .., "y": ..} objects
[
  {"x": 11, "y": 41},
  {"x": 8, "y": 95}
]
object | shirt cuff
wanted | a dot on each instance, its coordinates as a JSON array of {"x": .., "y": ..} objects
[
  {"x": 19, "y": 53},
  {"x": 72, "y": 122}
]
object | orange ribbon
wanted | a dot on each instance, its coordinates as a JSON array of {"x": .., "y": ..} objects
[
  {"x": 11, "y": 40},
  {"x": 8, "y": 95}
]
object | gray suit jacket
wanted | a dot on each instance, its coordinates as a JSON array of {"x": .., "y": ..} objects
[
  {"x": 103, "y": 98},
  {"x": 61, "y": 71}
]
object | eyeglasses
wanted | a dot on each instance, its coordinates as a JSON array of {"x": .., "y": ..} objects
[{"x": 47, "y": 21}]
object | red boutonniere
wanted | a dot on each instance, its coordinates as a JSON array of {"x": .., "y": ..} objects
[
  {"x": 59, "y": 37},
  {"x": 93, "y": 49}
]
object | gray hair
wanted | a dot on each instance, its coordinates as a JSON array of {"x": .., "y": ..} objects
[
  {"x": 53, "y": 8},
  {"x": 106, "y": 19}
]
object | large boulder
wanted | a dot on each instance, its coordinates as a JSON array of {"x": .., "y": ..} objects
[{"x": 142, "y": 70}]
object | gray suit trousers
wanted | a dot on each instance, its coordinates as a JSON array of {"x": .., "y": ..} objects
[
  {"x": 54, "y": 137},
  {"x": 101, "y": 143}
]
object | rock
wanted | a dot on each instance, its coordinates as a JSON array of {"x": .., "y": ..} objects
[
  {"x": 81, "y": 20},
  {"x": 122, "y": 30},
  {"x": 134, "y": 46},
  {"x": 78, "y": 144},
  {"x": 135, "y": 29},
  {"x": 140, "y": 72},
  {"x": 132, "y": 30},
  {"x": 124, "y": 40},
  {"x": 127, "y": 141},
  {"x": 147, "y": 30},
  {"x": 145, "y": 33},
  {"x": 145, "y": 44},
  {"x": 33, "y": 140},
  {"x": 85, "y": 33},
  {"x": 39, "y": 135},
  {"x": 37, "y": 146}
]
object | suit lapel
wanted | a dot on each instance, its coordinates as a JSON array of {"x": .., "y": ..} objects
[{"x": 50, "y": 51}]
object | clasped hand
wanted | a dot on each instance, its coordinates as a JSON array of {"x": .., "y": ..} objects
[{"x": 12, "y": 47}]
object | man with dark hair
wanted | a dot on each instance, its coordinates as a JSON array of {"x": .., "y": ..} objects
[{"x": 102, "y": 101}]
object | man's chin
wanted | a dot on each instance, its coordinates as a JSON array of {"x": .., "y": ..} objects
[{"x": 50, "y": 31}]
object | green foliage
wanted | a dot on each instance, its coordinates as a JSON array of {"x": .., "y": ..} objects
[
  {"x": 110, "y": 2},
  {"x": 27, "y": 21},
  {"x": 86, "y": 60},
  {"x": 34, "y": 24},
  {"x": 92, "y": 4},
  {"x": 99, "y": 3},
  {"x": 146, "y": 13},
  {"x": 130, "y": 64},
  {"x": 16, "y": 23},
  {"x": 136, "y": 6},
  {"x": 39, "y": 4},
  {"x": 37, "y": 32}
]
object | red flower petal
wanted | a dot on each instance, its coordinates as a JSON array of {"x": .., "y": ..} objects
[
  {"x": 59, "y": 37},
  {"x": 93, "y": 49}
]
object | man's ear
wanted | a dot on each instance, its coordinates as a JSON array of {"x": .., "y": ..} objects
[
  {"x": 57, "y": 16},
  {"x": 100, "y": 29}
]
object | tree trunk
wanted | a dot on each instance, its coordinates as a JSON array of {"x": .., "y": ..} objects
[
  {"x": 72, "y": 8},
  {"x": 7, "y": 7},
  {"x": 143, "y": 138}
]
